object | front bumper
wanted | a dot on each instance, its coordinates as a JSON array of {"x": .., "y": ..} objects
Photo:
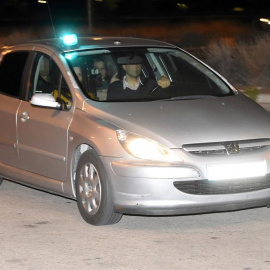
[{"x": 153, "y": 189}]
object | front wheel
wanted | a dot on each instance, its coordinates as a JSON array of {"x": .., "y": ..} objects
[{"x": 93, "y": 193}]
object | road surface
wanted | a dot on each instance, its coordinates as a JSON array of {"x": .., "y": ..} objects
[{"x": 39, "y": 230}]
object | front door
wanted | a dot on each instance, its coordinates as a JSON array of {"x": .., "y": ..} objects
[{"x": 43, "y": 132}]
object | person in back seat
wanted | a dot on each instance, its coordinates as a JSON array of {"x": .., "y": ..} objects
[{"x": 102, "y": 80}]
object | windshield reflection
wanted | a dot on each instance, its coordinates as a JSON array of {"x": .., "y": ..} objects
[{"x": 144, "y": 74}]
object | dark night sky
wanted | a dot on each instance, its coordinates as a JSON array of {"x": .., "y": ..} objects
[{"x": 29, "y": 11}]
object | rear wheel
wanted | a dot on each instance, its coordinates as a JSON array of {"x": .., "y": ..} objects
[{"x": 94, "y": 198}]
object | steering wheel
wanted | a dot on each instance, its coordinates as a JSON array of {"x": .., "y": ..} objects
[{"x": 154, "y": 89}]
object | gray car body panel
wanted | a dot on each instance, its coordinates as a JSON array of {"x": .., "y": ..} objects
[{"x": 190, "y": 121}]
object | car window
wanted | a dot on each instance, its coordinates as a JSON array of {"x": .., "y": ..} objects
[
  {"x": 162, "y": 74},
  {"x": 47, "y": 78},
  {"x": 11, "y": 72},
  {"x": 93, "y": 70}
]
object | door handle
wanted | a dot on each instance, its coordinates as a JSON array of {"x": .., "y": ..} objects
[{"x": 24, "y": 116}]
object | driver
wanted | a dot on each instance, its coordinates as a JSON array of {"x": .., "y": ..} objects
[{"x": 132, "y": 87}]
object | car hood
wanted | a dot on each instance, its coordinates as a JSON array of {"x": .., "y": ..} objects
[{"x": 179, "y": 122}]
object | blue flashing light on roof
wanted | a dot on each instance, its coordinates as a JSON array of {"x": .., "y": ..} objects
[{"x": 69, "y": 40}]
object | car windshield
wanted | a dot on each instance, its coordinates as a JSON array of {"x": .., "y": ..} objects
[{"x": 144, "y": 74}]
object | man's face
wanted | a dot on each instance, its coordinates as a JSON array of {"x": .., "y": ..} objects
[
  {"x": 133, "y": 70},
  {"x": 100, "y": 65}
]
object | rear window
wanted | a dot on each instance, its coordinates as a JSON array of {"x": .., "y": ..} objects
[{"x": 11, "y": 71}]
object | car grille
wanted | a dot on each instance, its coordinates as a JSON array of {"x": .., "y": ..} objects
[
  {"x": 227, "y": 148},
  {"x": 206, "y": 187}
]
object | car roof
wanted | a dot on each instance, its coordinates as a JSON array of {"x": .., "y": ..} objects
[{"x": 85, "y": 43}]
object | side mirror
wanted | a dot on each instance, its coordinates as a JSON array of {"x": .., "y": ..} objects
[{"x": 44, "y": 100}]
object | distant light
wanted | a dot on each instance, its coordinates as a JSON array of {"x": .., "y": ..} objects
[
  {"x": 70, "y": 40},
  {"x": 264, "y": 20},
  {"x": 97, "y": 38},
  {"x": 238, "y": 9},
  {"x": 42, "y": 1},
  {"x": 182, "y": 6}
]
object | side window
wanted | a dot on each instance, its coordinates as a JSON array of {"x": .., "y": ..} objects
[
  {"x": 11, "y": 71},
  {"x": 47, "y": 78}
]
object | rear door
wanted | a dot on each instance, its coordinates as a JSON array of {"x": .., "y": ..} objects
[
  {"x": 43, "y": 132},
  {"x": 12, "y": 74}
]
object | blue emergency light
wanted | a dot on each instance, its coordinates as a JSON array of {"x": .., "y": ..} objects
[{"x": 69, "y": 40}]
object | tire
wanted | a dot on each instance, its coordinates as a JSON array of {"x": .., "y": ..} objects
[
  {"x": 1, "y": 180},
  {"x": 93, "y": 193}
]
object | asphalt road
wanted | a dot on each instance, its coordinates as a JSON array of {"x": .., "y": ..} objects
[{"x": 39, "y": 230}]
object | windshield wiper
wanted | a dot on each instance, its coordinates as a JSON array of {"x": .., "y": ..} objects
[{"x": 190, "y": 97}]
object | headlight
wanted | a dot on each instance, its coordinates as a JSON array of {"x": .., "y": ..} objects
[{"x": 144, "y": 148}]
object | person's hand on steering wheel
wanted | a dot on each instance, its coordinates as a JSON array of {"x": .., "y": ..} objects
[{"x": 164, "y": 82}]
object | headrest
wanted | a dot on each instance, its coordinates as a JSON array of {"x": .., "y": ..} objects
[{"x": 130, "y": 60}]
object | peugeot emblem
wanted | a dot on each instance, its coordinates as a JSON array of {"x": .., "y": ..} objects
[{"x": 231, "y": 147}]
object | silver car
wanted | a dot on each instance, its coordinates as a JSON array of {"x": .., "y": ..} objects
[{"x": 180, "y": 141}]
